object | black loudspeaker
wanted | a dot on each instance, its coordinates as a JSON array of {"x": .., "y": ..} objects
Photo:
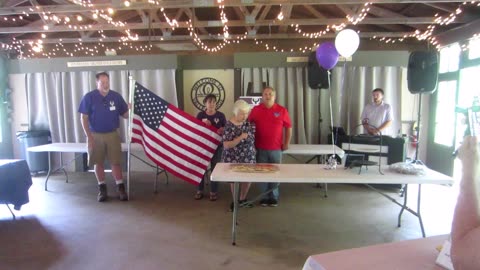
[
  {"x": 422, "y": 72},
  {"x": 317, "y": 75}
]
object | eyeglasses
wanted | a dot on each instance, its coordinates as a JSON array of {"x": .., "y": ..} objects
[{"x": 105, "y": 103}]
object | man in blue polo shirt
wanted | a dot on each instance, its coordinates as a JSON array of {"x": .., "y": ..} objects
[{"x": 100, "y": 111}]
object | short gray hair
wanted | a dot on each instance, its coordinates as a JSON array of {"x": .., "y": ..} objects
[{"x": 240, "y": 105}]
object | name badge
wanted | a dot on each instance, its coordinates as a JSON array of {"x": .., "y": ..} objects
[{"x": 112, "y": 108}]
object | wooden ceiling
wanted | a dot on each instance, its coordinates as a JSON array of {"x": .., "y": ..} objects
[{"x": 57, "y": 28}]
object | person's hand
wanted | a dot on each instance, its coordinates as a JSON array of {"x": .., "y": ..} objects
[
  {"x": 370, "y": 130},
  {"x": 469, "y": 155},
  {"x": 243, "y": 136},
  {"x": 206, "y": 122},
  {"x": 220, "y": 131},
  {"x": 373, "y": 131},
  {"x": 285, "y": 147},
  {"x": 90, "y": 142}
]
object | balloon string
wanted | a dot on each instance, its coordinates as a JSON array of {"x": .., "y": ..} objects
[
  {"x": 331, "y": 112},
  {"x": 342, "y": 91}
]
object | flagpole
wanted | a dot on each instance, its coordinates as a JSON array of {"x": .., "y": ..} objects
[{"x": 131, "y": 91}]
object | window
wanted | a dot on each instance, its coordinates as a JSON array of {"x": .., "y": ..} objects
[
  {"x": 1, "y": 125},
  {"x": 474, "y": 51},
  {"x": 468, "y": 86},
  {"x": 450, "y": 58},
  {"x": 445, "y": 113}
]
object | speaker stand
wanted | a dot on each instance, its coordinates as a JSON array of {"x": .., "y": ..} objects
[
  {"x": 416, "y": 160},
  {"x": 320, "y": 120}
]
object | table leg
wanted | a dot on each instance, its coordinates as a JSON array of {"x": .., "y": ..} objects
[
  {"x": 404, "y": 206},
  {"x": 11, "y": 212},
  {"x": 235, "y": 211},
  {"x": 63, "y": 167},
  {"x": 155, "y": 189},
  {"x": 158, "y": 172},
  {"x": 418, "y": 209},
  {"x": 49, "y": 169},
  {"x": 325, "y": 191}
]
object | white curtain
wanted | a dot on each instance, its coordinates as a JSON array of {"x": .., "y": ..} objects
[
  {"x": 53, "y": 98},
  {"x": 292, "y": 92},
  {"x": 350, "y": 90}
]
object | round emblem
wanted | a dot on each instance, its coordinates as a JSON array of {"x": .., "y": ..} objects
[{"x": 206, "y": 86}]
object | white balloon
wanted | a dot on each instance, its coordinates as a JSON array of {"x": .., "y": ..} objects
[{"x": 346, "y": 42}]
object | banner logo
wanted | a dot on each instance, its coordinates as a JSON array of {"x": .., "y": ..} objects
[{"x": 206, "y": 86}]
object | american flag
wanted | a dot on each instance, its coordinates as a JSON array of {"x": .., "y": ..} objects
[{"x": 173, "y": 139}]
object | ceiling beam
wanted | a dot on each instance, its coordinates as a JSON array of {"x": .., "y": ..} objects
[
  {"x": 193, "y": 3},
  {"x": 236, "y": 23},
  {"x": 191, "y": 14},
  {"x": 264, "y": 13},
  {"x": 287, "y": 12},
  {"x": 256, "y": 10},
  {"x": 460, "y": 33},
  {"x": 154, "y": 15},
  {"x": 385, "y": 13},
  {"x": 13, "y": 3},
  {"x": 440, "y": 7},
  {"x": 242, "y": 12},
  {"x": 346, "y": 10},
  {"x": 212, "y": 38},
  {"x": 314, "y": 12}
]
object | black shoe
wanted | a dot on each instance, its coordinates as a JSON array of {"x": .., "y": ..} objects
[
  {"x": 245, "y": 204},
  {"x": 231, "y": 207},
  {"x": 122, "y": 195},
  {"x": 102, "y": 193},
  {"x": 264, "y": 202},
  {"x": 272, "y": 202}
]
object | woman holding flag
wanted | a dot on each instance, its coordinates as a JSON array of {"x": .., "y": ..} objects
[{"x": 211, "y": 117}]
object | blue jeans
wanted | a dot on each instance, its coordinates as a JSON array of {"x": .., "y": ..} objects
[
  {"x": 215, "y": 159},
  {"x": 269, "y": 156}
]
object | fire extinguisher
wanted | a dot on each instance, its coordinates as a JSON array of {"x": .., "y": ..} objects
[
  {"x": 413, "y": 140},
  {"x": 413, "y": 137}
]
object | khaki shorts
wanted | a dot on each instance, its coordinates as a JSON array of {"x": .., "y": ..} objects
[{"x": 105, "y": 144}]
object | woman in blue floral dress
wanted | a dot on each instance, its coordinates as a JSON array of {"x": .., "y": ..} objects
[{"x": 239, "y": 143}]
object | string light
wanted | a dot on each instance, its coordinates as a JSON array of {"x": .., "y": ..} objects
[
  {"x": 337, "y": 27},
  {"x": 36, "y": 48},
  {"x": 274, "y": 48},
  {"x": 466, "y": 45},
  {"x": 358, "y": 18},
  {"x": 223, "y": 18},
  {"x": 427, "y": 35},
  {"x": 58, "y": 49},
  {"x": 280, "y": 16},
  {"x": 15, "y": 18},
  {"x": 173, "y": 23}
]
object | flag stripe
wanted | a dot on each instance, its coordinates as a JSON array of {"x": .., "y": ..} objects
[
  {"x": 185, "y": 138},
  {"x": 209, "y": 133},
  {"x": 156, "y": 142},
  {"x": 166, "y": 160},
  {"x": 178, "y": 147},
  {"x": 172, "y": 170},
  {"x": 180, "y": 160}
]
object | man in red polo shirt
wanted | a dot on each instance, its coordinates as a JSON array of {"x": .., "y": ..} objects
[{"x": 270, "y": 120}]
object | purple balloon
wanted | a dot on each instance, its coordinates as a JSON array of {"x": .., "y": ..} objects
[{"x": 327, "y": 55}]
